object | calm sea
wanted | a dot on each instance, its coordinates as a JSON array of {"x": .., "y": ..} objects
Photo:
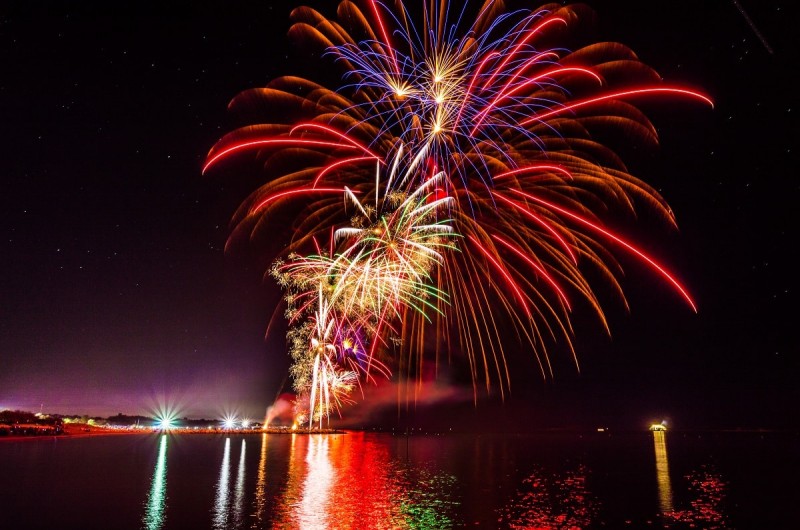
[{"x": 377, "y": 480}]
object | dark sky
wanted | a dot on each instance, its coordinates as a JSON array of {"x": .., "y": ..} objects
[{"x": 116, "y": 296}]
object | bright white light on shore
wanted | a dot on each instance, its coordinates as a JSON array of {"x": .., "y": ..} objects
[
  {"x": 229, "y": 422},
  {"x": 165, "y": 422},
  {"x": 245, "y": 424},
  {"x": 166, "y": 414}
]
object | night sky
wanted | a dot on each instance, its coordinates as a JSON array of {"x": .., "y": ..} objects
[{"x": 116, "y": 295}]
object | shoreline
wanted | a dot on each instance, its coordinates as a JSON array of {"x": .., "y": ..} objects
[{"x": 125, "y": 432}]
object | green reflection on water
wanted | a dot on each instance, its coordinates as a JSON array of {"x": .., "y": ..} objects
[
  {"x": 428, "y": 503},
  {"x": 157, "y": 499},
  {"x": 421, "y": 516}
]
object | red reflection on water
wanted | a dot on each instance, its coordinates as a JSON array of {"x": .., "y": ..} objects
[
  {"x": 367, "y": 491},
  {"x": 339, "y": 481},
  {"x": 705, "y": 511},
  {"x": 295, "y": 475},
  {"x": 550, "y": 501},
  {"x": 260, "y": 502},
  {"x": 350, "y": 481}
]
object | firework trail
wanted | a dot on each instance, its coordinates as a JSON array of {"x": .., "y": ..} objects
[
  {"x": 753, "y": 27},
  {"x": 457, "y": 179},
  {"x": 378, "y": 267}
]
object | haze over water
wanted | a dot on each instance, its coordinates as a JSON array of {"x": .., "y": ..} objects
[{"x": 378, "y": 480}]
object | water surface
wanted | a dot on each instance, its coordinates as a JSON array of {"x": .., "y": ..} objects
[{"x": 378, "y": 480}]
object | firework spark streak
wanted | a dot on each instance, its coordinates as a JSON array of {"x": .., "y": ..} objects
[{"x": 456, "y": 177}]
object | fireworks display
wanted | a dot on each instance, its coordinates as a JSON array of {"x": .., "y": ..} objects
[{"x": 449, "y": 187}]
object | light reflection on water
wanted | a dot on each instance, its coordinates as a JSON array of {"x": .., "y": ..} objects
[
  {"x": 706, "y": 489},
  {"x": 238, "y": 502},
  {"x": 662, "y": 471},
  {"x": 223, "y": 493},
  {"x": 705, "y": 510},
  {"x": 312, "y": 510},
  {"x": 260, "y": 500},
  {"x": 229, "y": 513},
  {"x": 157, "y": 498},
  {"x": 358, "y": 480},
  {"x": 552, "y": 500},
  {"x": 378, "y": 480},
  {"x": 345, "y": 481}
]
